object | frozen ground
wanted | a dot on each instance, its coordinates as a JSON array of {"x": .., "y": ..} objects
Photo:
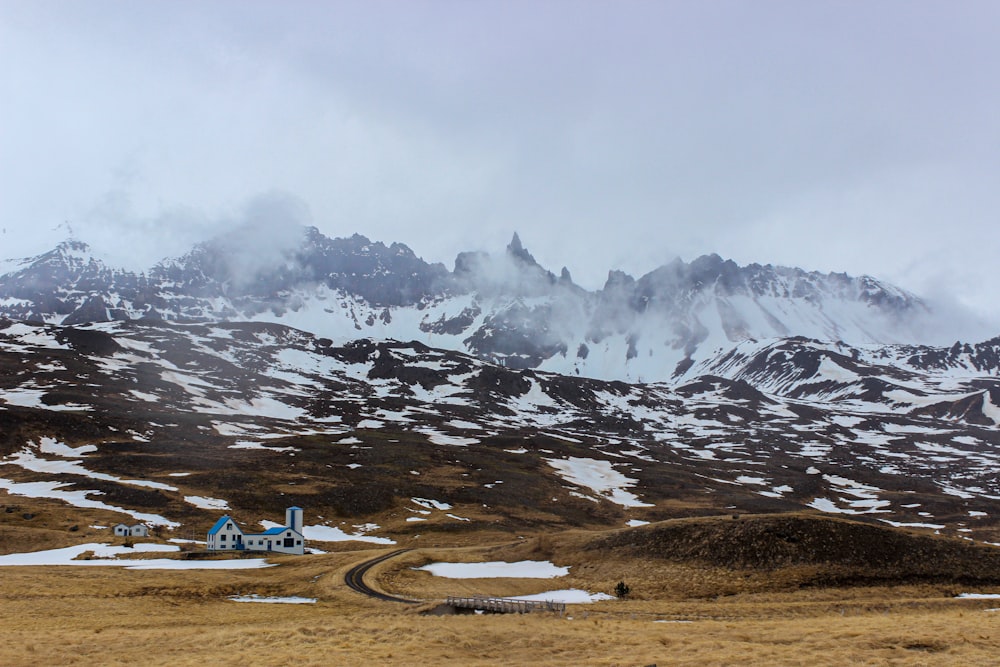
[
  {"x": 525, "y": 569},
  {"x": 272, "y": 600},
  {"x": 106, "y": 555},
  {"x": 569, "y": 596}
]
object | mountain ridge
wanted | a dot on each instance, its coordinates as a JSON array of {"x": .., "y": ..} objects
[{"x": 505, "y": 308}]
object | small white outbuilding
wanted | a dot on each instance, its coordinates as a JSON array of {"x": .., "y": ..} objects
[{"x": 138, "y": 530}]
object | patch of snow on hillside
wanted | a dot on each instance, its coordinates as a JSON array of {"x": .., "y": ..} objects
[
  {"x": 827, "y": 505},
  {"x": 771, "y": 494},
  {"x": 910, "y": 428},
  {"x": 458, "y": 423},
  {"x": 831, "y": 370},
  {"x": 26, "y": 459},
  {"x": 916, "y": 400},
  {"x": 52, "y": 446},
  {"x": 77, "y": 499},
  {"x": 34, "y": 336},
  {"x": 600, "y": 477},
  {"x": 430, "y": 504},
  {"x": 32, "y": 398},
  {"x": 265, "y": 406},
  {"x": 952, "y": 491},
  {"x": 746, "y": 479},
  {"x": 990, "y": 409},
  {"x": 439, "y": 438},
  {"x": 206, "y": 503},
  {"x": 815, "y": 450},
  {"x": 903, "y": 524},
  {"x": 248, "y": 444},
  {"x": 564, "y": 438},
  {"x": 189, "y": 383},
  {"x": 333, "y": 534},
  {"x": 847, "y": 421}
]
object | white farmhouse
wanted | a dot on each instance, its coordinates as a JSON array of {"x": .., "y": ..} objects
[
  {"x": 138, "y": 530},
  {"x": 225, "y": 535}
]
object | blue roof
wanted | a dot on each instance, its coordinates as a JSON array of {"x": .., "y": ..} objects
[
  {"x": 277, "y": 530},
  {"x": 295, "y": 508},
  {"x": 218, "y": 525}
]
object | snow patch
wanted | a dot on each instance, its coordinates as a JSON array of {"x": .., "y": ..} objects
[
  {"x": 600, "y": 477},
  {"x": 525, "y": 569}
]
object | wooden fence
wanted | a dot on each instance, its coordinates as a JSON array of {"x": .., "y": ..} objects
[{"x": 504, "y": 605}]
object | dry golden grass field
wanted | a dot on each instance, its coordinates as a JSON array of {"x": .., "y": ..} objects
[
  {"x": 679, "y": 614},
  {"x": 765, "y": 590},
  {"x": 109, "y": 616}
]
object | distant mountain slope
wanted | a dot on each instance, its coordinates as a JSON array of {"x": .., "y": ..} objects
[
  {"x": 171, "y": 422},
  {"x": 504, "y": 308}
]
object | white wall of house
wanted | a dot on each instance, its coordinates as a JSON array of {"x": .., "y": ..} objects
[
  {"x": 228, "y": 537},
  {"x": 290, "y": 542},
  {"x": 287, "y": 542}
]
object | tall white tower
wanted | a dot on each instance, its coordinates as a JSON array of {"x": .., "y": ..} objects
[{"x": 293, "y": 518}]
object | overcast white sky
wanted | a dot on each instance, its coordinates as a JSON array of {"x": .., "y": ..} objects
[{"x": 859, "y": 136}]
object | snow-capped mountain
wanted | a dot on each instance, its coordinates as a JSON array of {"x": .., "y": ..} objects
[
  {"x": 247, "y": 374},
  {"x": 505, "y": 308}
]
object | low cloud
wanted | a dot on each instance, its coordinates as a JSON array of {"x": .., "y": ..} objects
[{"x": 263, "y": 238}]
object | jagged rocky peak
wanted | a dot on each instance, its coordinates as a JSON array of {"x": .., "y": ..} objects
[
  {"x": 515, "y": 273},
  {"x": 618, "y": 280},
  {"x": 516, "y": 250},
  {"x": 258, "y": 264},
  {"x": 724, "y": 278},
  {"x": 71, "y": 256},
  {"x": 70, "y": 252}
]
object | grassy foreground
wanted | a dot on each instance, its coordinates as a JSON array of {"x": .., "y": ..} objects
[{"x": 111, "y": 616}]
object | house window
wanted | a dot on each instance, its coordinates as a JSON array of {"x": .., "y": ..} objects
[
  {"x": 289, "y": 542},
  {"x": 222, "y": 537},
  {"x": 299, "y": 542},
  {"x": 229, "y": 526}
]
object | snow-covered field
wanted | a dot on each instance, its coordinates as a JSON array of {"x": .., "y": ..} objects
[
  {"x": 272, "y": 600},
  {"x": 103, "y": 554},
  {"x": 525, "y": 569}
]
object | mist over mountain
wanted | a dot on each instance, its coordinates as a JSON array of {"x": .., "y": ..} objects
[{"x": 501, "y": 307}]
